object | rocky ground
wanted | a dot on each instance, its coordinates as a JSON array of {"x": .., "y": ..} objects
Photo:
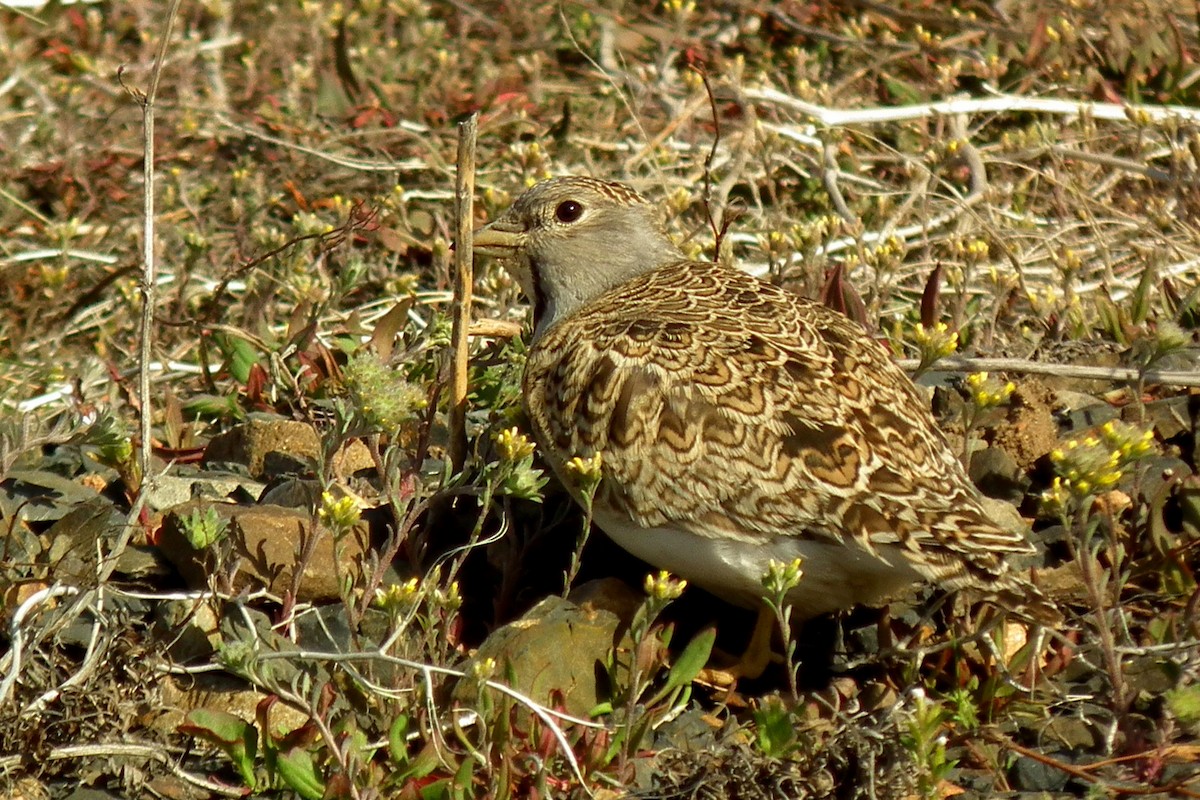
[{"x": 302, "y": 594}]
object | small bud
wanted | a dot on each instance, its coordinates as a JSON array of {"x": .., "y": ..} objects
[
  {"x": 664, "y": 586},
  {"x": 512, "y": 445}
]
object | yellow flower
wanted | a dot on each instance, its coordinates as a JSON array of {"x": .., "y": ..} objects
[
  {"x": 781, "y": 578},
  {"x": 341, "y": 514},
  {"x": 586, "y": 472},
  {"x": 988, "y": 393},
  {"x": 1096, "y": 464},
  {"x": 398, "y": 596},
  {"x": 449, "y": 598},
  {"x": 664, "y": 586},
  {"x": 513, "y": 445},
  {"x": 935, "y": 342}
]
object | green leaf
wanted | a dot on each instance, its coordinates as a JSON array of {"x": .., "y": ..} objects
[
  {"x": 297, "y": 770},
  {"x": 462, "y": 778},
  {"x": 1111, "y": 319},
  {"x": 600, "y": 710},
  {"x": 903, "y": 91},
  {"x": 398, "y": 740},
  {"x": 239, "y": 354},
  {"x": 424, "y": 763},
  {"x": 438, "y": 790},
  {"x": 237, "y": 738},
  {"x": 692, "y": 659},
  {"x": 1184, "y": 704},
  {"x": 1143, "y": 294},
  {"x": 212, "y": 406}
]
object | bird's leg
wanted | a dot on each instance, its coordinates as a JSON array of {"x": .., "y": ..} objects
[
  {"x": 754, "y": 659},
  {"x": 758, "y": 653}
]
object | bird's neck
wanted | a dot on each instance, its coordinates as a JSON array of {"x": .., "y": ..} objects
[{"x": 569, "y": 285}]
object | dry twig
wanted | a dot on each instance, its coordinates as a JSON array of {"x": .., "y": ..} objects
[{"x": 464, "y": 192}]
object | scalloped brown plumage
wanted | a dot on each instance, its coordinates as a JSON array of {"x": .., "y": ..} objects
[{"x": 737, "y": 423}]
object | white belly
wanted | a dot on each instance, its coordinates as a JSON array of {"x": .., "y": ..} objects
[{"x": 835, "y": 576}]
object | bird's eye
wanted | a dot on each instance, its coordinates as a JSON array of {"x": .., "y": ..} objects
[{"x": 568, "y": 211}]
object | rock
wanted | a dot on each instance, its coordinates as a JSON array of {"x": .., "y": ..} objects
[
  {"x": 41, "y": 496},
  {"x": 188, "y": 628},
  {"x": 554, "y": 654},
  {"x": 191, "y": 484},
  {"x": 997, "y": 475},
  {"x": 264, "y": 441},
  {"x": 218, "y": 692},
  {"x": 1005, "y": 515},
  {"x": 77, "y": 539},
  {"x": 1170, "y": 417},
  {"x": 293, "y": 492},
  {"x": 1082, "y": 412},
  {"x": 1034, "y": 776},
  {"x": 608, "y": 594},
  {"x": 1149, "y": 675},
  {"x": 1064, "y": 584},
  {"x": 1074, "y": 733},
  {"x": 266, "y": 540}
]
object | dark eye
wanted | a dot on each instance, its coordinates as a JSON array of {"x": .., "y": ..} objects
[{"x": 568, "y": 211}]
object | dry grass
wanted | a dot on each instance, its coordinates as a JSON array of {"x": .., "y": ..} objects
[{"x": 305, "y": 186}]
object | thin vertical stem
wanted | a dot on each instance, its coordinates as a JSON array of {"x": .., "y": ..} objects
[
  {"x": 464, "y": 193},
  {"x": 149, "y": 268}
]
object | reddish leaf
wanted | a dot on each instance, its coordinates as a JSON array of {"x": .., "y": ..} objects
[
  {"x": 1037, "y": 41},
  {"x": 930, "y": 297},
  {"x": 383, "y": 339},
  {"x": 297, "y": 198},
  {"x": 841, "y": 296},
  {"x": 256, "y": 382}
]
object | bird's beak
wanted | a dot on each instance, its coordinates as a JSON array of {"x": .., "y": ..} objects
[{"x": 499, "y": 239}]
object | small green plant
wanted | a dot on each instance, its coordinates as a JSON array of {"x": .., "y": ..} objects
[
  {"x": 925, "y": 739},
  {"x": 285, "y": 761},
  {"x": 514, "y": 474},
  {"x": 1184, "y": 704},
  {"x": 984, "y": 394},
  {"x": 1159, "y": 344},
  {"x": 587, "y": 473},
  {"x": 777, "y": 583},
  {"x": 204, "y": 527},
  {"x": 1088, "y": 468},
  {"x": 964, "y": 712},
  {"x": 632, "y": 680},
  {"x": 382, "y": 398},
  {"x": 775, "y": 729},
  {"x": 114, "y": 448}
]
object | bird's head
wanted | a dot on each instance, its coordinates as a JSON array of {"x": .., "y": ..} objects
[{"x": 569, "y": 240}]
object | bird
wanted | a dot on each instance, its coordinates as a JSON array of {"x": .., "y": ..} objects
[{"x": 736, "y": 423}]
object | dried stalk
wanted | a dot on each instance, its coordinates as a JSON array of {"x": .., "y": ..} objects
[
  {"x": 464, "y": 192},
  {"x": 1168, "y": 377},
  {"x": 149, "y": 268}
]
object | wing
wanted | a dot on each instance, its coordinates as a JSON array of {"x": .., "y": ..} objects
[{"x": 729, "y": 407}]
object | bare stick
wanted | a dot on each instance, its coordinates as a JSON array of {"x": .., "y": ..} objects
[
  {"x": 464, "y": 193},
  {"x": 829, "y": 178},
  {"x": 149, "y": 268},
  {"x": 995, "y": 104},
  {"x": 961, "y": 364},
  {"x": 717, "y": 229}
]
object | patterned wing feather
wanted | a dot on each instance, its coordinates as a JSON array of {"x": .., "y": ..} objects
[{"x": 728, "y": 407}]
